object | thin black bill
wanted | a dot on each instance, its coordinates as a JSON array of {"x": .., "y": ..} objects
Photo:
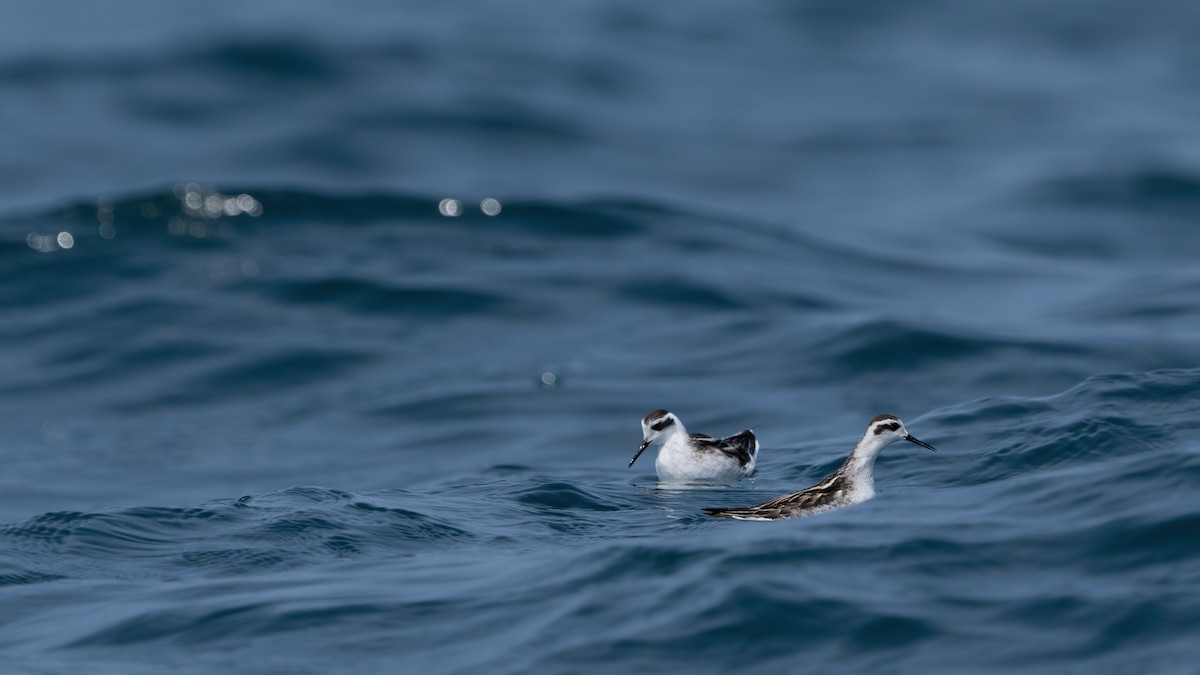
[
  {"x": 645, "y": 444},
  {"x": 923, "y": 444}
]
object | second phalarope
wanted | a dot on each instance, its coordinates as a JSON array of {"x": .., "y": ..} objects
[
  {"x": 854, "y": 482},
  {"x": 684, "y": 457}
]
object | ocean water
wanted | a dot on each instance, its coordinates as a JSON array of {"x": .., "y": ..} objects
[{"x": 271, "y": 404}]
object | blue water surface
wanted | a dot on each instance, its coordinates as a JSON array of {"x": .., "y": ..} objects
[{"x": 272, "y": 404}]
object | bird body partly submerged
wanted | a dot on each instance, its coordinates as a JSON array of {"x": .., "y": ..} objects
[
  {"x": 684, "y": 457},
  {"x": 852, "y": 483}
]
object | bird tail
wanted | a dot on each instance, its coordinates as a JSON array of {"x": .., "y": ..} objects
[
  {"x": 745, "y": 513},
  {"x": 747, "y": 440}
]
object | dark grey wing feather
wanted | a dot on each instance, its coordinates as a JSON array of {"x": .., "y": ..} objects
[
  {"x": 742, "y": 447},
  {"x": 815, "y": 497},
  {"x": 753, "y": 513}
]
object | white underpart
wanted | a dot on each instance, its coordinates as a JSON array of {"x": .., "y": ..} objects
[
  {"x": 679, "y": 462},
  {"x": 859, "y": 467}
]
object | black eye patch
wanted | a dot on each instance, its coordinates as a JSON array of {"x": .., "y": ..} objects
[
  {"x": 663, "y": 423},
  {"x": 892, "y": 426}
]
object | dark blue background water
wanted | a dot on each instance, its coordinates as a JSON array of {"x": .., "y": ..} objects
[{"x": 315, "y": 437}]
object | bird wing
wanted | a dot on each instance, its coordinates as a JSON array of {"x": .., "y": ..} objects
[
  {"x": 790, "y": 505},
  {"x": 742, "y": 447}
]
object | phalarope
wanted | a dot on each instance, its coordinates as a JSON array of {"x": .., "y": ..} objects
[
  {"x": 852, "y": 483},
  {"x": 684, "y": 457}
]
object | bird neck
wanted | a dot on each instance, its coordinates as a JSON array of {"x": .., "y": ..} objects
[
  {"x": 674, "y": 434},
  {"x": 860, "y": 465}
]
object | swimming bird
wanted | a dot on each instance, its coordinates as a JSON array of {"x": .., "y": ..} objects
[
  {"x": 684, "y": 457},
  {"x": 852, "y": 483}
]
